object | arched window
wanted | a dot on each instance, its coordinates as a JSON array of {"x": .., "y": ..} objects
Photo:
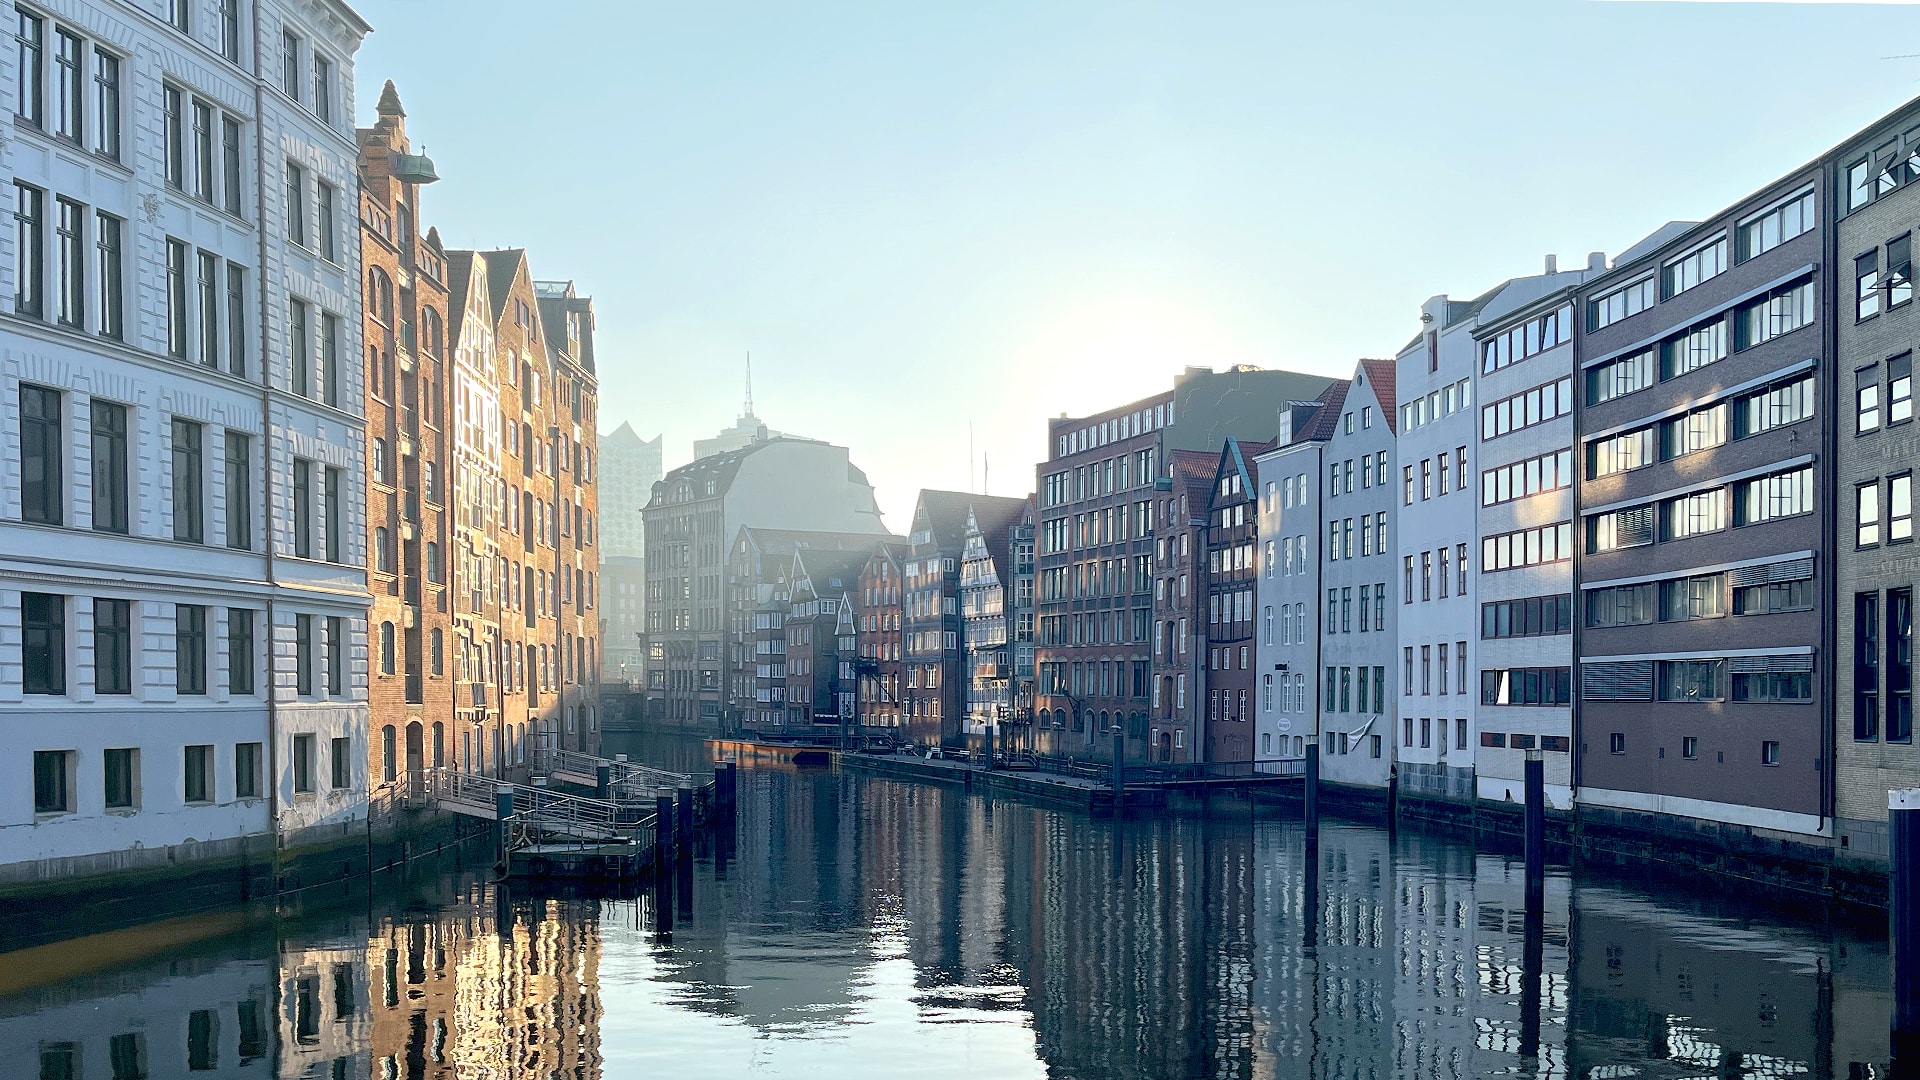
[
  {"x": 380, "y": 295},
  {"x": 432, "y": 321},
  {"x": 386, "y": 649},
  {"x": 387, "y": 765},
  {"x": 382, "y": 551},
  {"x": 437, "y": 656}
]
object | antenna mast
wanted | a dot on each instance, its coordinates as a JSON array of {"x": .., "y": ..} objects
[{"x": 749, "y": 383}]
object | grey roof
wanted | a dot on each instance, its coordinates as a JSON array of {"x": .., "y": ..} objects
[{"x": 1654, "y": 240}]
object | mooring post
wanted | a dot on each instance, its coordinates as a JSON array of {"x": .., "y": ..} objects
[
  {"x": 1903, "y": 915},
  {"x": 1536, "y": 840},
  {"x": 731, "y": 773},
  {"x": 502, "y": 810},
  {"x": 683, "y": 827},
  {"x": 989, "y": 747},
  {"x": 662, "y": 828},
  {"x": 1312, "y": 789},
  {"x": 1119, "y": 769}
]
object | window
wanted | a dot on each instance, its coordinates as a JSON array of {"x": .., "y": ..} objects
[
  {"x": 108, "y": 276},
  {"x": 1899, "y": 665},
  {"x": 189, "y": 504},
  {"x": 1690, "y": 680},
  {"x": 230, "y": 30},
  {"x": 1866, "y": 280},
  {"x": 112, "y": 646},
  {"x": 1769, "y": 752},
  {"x": 240, "y": 651},
  {"x": 386, "y": 648},
  {"x": 42, "y": 489},
  {"x": 120, "y": 770},
  {"x": 43, "y": 643},
  {"x": 303, "y": 645},
  {"x": 1773, "y": 597},
  {"x": 1694, "y": 349},
  {"x": 1630, "y": 299},
  {"x": 199, "y": 774},
  {"x": 1504, "y": 483},
  {"x": 323, "y": 203},
  {"x": 1693, "y": 514},
  {"x": 177, "y": 316},
  {"x": 230, "y": 186},
  {"x": 1526, "y": 686},
  {"x": 190, "y": 649},
  {"x": 1867, "y": 399},
  {"x": 299, "y": 349},
  {"x": 1866, "y": 666},
  {"x": 1768, "y": 497},
  {"x": 29, "y": 250},
  {"x": 109, "y": 452},
  {"x": 1533, "y": 616},
  {"x": 302, "y": 508},
  {"x": 1690, "y": 433},
  {"x": 1528, "y": 547},
  {"x": 53, "y": 782},
  {"x": 1536, "y": 406},
  {"x": 177, "y": 14},
  {"x": 342, "y": 761},
  {"x": 173, "y": 102},
  {"x": 1686, "y": 599},
  {"x": 290, "y": 64},
  {"x": 246, "y": 770},
  {"x": 1899, "y": 277},
  {"x": 1866, "y": 513},
  {"x": 239, "y": 491},
  {"x": 1617, "y": 743},
  {"x": 1777, "y": 406},
  {"x": 30, "y": 66},
  {"x": 322, "y": 87},
  {"x": 1773, "y": 227},
  {"x": 1529, "y": 338},
  {"x": 337, "y": 656},
  {"x": 1701, "y": 264},
  {"x": 1782, "y": 311},
  {"x": 1899, "y": 506},
  {"x": 106, "y": 104},
  {"x": 296, "y": 204},
  {"x": 1617, "y": 378},
  {"x": 1772, "y": 680},
  {"x": 236, "y": 320},
  {"x": 303, "y": 746},
  {"x": 203, "y": 171},
  {"x": 1620, "y": 453},
  {"x": 70, "y": 230},
  {"x": 330, "y": 512}
]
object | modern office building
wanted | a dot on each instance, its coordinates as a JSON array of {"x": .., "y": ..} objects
[
  {"x": 1097, "y": 492},
  {"x": 183, "y": 586},
  {"x": 1520, "y": 343},
  {"x": 1701, "y": 555},
  {"x": 629, "y": 467}
]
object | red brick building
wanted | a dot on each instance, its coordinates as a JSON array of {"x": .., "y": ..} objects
[
  {"x": 877, "y": 630},
  {"x": 1232, "y": 538},
  {"x": 1180, "y": 607}
]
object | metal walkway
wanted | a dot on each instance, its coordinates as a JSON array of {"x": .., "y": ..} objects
[
  {"x": 627, "y": 781},
  {"x": 534, "y": 815}
]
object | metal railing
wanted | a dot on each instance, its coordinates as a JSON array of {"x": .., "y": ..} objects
[
  {"x": 628, "y": 781},
  {"x": 538, "y": 811}
]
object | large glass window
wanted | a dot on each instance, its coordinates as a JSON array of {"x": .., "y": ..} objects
[
  {"x": 1700, "y": 264},
  {"x": 43, "y": 643},
  {"x": 239, "y": 491},
  {"x": 106, "y": 104},
  {"x": 29, "y": 250},
  {"x": 1776, "y": 406},
  {"x": 112, "y": 646},
  {"x": 189, "y": 482},
  {"x": 190, "y": 648},
  {"x": 108, "y": 275},
  {"x": 109, "y": 453},
  {"x": 1866, "y": 666},
  {"x": 42, "y": 475},
  {"x": 1768, "y": 497},
  {"x": 1627, "y": 300},
  {"x": 1776, "y": 225},
  {"x": 70, "y": 303},
  {"x": 1783, "y": 311},
  {"x": 1694, "y": 349},
  {"x": 1691, "y": 680},
  {"x": 1899, "y": 666}
]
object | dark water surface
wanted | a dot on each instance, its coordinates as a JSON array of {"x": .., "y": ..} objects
[{"x": 867, "y": 928}]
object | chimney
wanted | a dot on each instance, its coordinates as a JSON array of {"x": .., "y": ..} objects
[
  {"x": 1596, "y": 260},
  {"x": 1553, "y": 264}
]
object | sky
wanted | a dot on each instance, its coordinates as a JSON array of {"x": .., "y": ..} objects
[{"x": 934, "y": 225}]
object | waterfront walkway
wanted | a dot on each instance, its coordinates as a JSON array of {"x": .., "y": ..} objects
[{"x": 1083, "y": 784}]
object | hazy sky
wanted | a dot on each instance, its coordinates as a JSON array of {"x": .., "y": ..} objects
[{"x": 920, "y": 215}]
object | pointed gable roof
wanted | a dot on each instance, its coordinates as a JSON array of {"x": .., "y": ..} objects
[
  {"x": 1382, "y": 376},
  {"x": 1325, "y": 420}
]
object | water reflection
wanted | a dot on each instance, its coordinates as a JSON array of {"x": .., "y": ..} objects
[{"x": 868, "y": 928}]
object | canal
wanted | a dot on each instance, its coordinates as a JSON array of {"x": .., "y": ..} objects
[{"x": 869, "y": 928}]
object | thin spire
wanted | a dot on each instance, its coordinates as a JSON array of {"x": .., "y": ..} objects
[{"x": 749, "y": 383}]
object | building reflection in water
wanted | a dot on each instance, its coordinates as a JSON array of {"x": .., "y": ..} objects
[{"x": 865, "y": 928}]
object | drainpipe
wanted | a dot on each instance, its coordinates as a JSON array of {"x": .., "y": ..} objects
[
  {"x": 1829, "y": 279},
  {"x": 266, "y": 455}
]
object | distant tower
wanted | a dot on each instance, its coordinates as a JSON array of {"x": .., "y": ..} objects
[{"x": 749, "y": 409}]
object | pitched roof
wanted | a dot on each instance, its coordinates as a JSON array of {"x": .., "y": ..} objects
[
  {"x": 832, "y": 572},
  {"x": 459, "y": 280},
  {"x": 1193, "y": 472},
  {"x": 1325, "y": 420},
  {"x": 1382, "y": 374},
  {"x": 945, "y": 514}
]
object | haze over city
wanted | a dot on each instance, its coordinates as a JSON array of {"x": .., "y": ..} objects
[{"x": 917, "y": 219}]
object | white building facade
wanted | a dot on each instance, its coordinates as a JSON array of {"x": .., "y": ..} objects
[
  {"x": 1287, "y": 592},
  {"x": 1437, "y": 505},
  {"x": 182, "y": 565},
  {"x": 1359, "y": 648},
  {"x": 1524, "y": 576}
]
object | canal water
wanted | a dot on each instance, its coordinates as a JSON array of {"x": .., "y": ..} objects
[{"x": 861, "y": 927}]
